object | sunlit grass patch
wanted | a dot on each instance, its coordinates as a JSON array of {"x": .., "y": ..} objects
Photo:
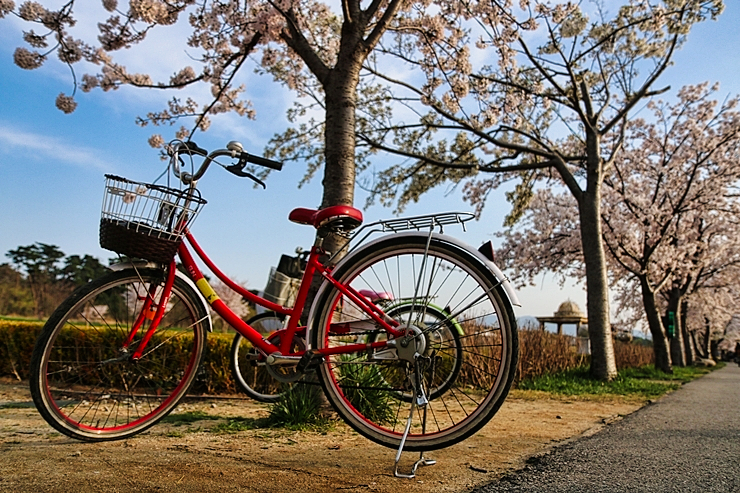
[{"x": 645, "y": 382}]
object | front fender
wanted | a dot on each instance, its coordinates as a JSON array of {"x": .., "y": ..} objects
[{"x": 143, "y": 264}]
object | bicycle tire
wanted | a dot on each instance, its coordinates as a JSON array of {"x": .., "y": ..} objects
[
  {"x": 251, "y": 377},
  {"x": 84, "y": 382},
  {"x": 364, "y": 387}
]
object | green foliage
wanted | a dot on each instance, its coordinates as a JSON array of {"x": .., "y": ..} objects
[
  {"x": 299, "y": 408},
  {"x": 15, "y": 295},
  {"x": 42, "y": 278},
  {"x": 359, "y": 383},
  {"x": 186, "y": 418},
  {"x": 680, "y": 374},
  {"x": 215, "y": 375}
]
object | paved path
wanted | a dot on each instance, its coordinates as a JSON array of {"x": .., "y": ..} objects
[{"x": 688, "y": 441}]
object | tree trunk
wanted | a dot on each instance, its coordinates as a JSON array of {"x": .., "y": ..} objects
[
  {"x": 688, "y": 342},
  {"x": 603, "y": 365},
  {"x": 700, "y": 341},
  {"x": 660, "y": 341},
  {"x": 339, "y": 150},
  {"x": 714, "y": 346},
  {"x": 706, "y": 343},
  {"x": 339, "y": 144},
  {"x": 678, "y": 355}
]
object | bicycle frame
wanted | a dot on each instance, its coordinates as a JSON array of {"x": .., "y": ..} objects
[{"x": 313, "y": 267}]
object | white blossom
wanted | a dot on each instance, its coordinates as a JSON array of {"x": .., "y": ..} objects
[{"x": 156, "y": 141}]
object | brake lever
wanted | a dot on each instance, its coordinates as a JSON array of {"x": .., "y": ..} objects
[{"x": 238, "y": 170}]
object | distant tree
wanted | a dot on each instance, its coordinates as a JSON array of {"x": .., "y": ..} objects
[
  {"x": 39, "y": 263},
  {"x": 15, "y": 295},
  {"x": 81, "y": 270}
]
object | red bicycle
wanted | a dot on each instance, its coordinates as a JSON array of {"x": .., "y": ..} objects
[{"x": 421, "y": 364}]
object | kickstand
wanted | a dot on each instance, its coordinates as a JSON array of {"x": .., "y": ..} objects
[{"x": 422, "y": 401}]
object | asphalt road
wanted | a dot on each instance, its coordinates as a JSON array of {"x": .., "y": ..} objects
[{"x": 687, "y": 441}]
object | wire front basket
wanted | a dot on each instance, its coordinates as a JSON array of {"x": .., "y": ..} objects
[{"x": 145, "y": 220}]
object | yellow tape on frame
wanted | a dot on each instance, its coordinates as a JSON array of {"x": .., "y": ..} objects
[{"x": 207, "y": 290}]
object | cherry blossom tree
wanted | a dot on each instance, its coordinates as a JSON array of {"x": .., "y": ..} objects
[
  {"x": 669, "y": 210},
  {"x": 535, "y": 93},
  {"x": 305, "y": 45}
]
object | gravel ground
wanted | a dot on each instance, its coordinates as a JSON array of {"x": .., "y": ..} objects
[{"x": 197, "y": 458}]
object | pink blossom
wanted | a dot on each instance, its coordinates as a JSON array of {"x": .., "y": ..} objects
[
  {"x": 67, "y": 104},
  {"x": 6, "y": 7},
  {"x": 28, "y": 60},
  {"x": 31, "y": 11}
]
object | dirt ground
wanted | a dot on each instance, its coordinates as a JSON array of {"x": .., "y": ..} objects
[{"x": 190, "y": 458}]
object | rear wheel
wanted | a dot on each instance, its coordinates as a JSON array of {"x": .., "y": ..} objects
[
  {"x": 465, "y": 378},
  {"x": 248, "y": 365},
  {"x": 84, "y": 381}
]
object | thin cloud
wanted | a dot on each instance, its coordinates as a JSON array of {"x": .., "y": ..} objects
[{"x": 44, "y": 146}]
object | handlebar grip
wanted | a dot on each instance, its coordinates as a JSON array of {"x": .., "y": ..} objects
[
  {"x": 262, "y": 161},
  {"x": 193, "y": 148}
]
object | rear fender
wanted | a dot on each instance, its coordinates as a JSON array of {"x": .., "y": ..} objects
[{"x": 493, "y": 268}]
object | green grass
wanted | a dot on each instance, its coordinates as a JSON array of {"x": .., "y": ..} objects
[
  {"x": 235, "y": 425},
  {"x": 299, "y": 408},
  {"x": 187, "y": 418},
  {"x": 645, "y": 382}
]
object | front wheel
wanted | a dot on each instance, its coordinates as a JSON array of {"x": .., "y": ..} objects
[
  {"x": 84, "y": 380},
  {"x": 465, "y": 376}
]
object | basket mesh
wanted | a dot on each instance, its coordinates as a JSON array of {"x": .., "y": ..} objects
[{"x": 145, "y": 220}]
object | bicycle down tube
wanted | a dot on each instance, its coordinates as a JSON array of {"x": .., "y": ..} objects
[{"x": 313, "y": 266}]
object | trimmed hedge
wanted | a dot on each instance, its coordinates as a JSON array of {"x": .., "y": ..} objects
[
  {"x": 17, "y": 340},
  {"x": 16, "y": 345},
  {"x": 540, "y": 353}
]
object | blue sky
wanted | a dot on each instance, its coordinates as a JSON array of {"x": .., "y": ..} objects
[{"x": 52, "y": 164}]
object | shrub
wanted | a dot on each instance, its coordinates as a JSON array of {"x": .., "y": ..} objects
[
  {"x": 299, "y": 406},
  {"x": 544, "y": 353},
  {"x": 540, "y": 353},
  {"x": 17, "y": 339},
  {"x": 633, "y": 355}
]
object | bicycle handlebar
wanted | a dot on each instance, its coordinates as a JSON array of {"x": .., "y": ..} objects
[{"x": 233, "y": 150}]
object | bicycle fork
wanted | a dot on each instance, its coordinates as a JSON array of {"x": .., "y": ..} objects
[{"x": 152, "y": 310}]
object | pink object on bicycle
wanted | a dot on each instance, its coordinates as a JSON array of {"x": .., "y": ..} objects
[
  {"x": 375, "y": 295},
  {"x": 340, "y": 217}
]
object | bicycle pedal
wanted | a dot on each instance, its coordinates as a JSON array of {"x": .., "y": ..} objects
[{"x": 310, "y": 361}]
